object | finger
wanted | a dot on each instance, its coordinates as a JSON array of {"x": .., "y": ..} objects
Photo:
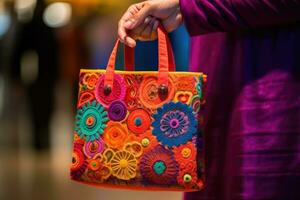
[
  {"x": 146, "y": 33},
  {"x": 130, "y": 42},
  {"x": 137, "y": 32},
  {"x": 173, "y": 21},
  {"x": 139, "y": 17},
  {"x": 131, "y": 11},
  {"x": 154, "y": 30},
  {"x": 121, "y": 32}
]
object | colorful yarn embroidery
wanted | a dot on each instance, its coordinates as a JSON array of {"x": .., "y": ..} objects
[
  {"x": 108, "y": 154},
  {"x": 196, "y": 103},
  {"x": 90, "y": 80},
  {"x": 135, "y": 136},
  {"x": 185, "y": 155},
  {"x": 174, "y": 124},
  {"x": 183, "y": 97},
  {"x": 94, "y": 147},
  {"x": 135, "y": 148},
  {"x": 139, "y": 121},
  {"x": 131, "y": 97},
  {"x": 84, "y": 98},
  {"x": 117, "y": 111},
  {"x": 124, "y": 165},
  {"x": 94, "y": 164},
  {"x": 118, "y": 91},
  {"x": 79, "y": 163},
  {"x": 186, "y": 83},
  {"x": 187, "y": 178},
  {"x": 147, "y": 140},
  {"x": 78, "y": 140},
  {"x": 91, "y": 121},
  {"x": 200, "y": 85},
  {"x": 98, "y": 171},
  {"x": 149, "y": 95},
  {"x": 115, "y": 135},
  {"x": 159, "y": 166}
]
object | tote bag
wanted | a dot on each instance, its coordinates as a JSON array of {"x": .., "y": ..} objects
[{"x": 140, "y": 129}]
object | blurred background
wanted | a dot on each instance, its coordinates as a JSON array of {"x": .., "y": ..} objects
[{"x": 43, "y": 44}]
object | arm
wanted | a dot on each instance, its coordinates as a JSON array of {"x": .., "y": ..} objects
[{"x": 205, "y": 16}]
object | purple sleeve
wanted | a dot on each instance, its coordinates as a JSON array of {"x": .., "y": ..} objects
[{"x": 204, "y": 16}]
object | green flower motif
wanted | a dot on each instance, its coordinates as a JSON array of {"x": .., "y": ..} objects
[
  {"x": 159, "y": 167},
  {"x": 91, "y": 121},
  {"x": 199, "y": 86}
]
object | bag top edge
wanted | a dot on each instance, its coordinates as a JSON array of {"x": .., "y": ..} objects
[{"x": 142, "y": 72}]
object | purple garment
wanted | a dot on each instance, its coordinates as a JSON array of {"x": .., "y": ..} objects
[{"x": 250, "y": 50}]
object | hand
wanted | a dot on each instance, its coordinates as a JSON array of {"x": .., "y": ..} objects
[{"x": 140, "y": 21}]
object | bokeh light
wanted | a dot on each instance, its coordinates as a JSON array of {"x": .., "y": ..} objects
[
  {"x": 5, "y": 22},
  {"x": 25, "y": 9},
  {"x": 57, "y": 14}
]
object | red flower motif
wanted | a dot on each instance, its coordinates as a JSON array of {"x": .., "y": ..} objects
[
  {"x": 185, "y": 152},
  {"x": 188, "y": 179}
]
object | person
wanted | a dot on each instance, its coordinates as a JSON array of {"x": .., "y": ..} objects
[
  {"x": 34, "y": 36},
  {"x": 250, "y": 50}
]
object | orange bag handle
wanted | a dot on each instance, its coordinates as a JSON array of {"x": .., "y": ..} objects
[
  {"x": 166, "y": 62},
  {"x": 129, "y": 57}
]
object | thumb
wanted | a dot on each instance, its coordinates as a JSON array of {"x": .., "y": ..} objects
[{"x": 142, "y": 11}]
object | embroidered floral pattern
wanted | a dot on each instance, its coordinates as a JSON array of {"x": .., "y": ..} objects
[
  {"x": 187, "y": 178},
  {"x": 149, "y": 95},
  {"x": 79, "y": 163},
  {"x": 147, "y": 140},
  {"x": 84, "y": 98},
  {"x": 196, "y": 103},
  {"x": 91, "y": 121},
  {"x": 139, "y": 121},
  {"x": 90, "y": 80},
  {"x": 135, "y": 135},
  {"x": 132, "y": 93},
  {"x": 98, "y": 169},
  {"x": 124, "y": 165},
  {"x": 159, "y": 166},
  {"x": 183, "y": 97},
  {"x": 199, "y": 86},
  {"x": 115, "y": 134},
  {"x": 135, "y": 148},
  {"x": 174, "y": 124},
  {"x": 117, "y": 111},
  {"x": 118, "y": 91},
  {"x": 186, "y": 83},
  {"x": 94, "y": 147}
]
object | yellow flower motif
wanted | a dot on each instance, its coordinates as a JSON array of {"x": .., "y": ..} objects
[
  {"x": 90, "y": 80},
  {"x": 135, "y": 148},
  {"x": 124, "y": 165}
]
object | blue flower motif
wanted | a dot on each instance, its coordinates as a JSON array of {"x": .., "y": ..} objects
[
  {"x": 91, "y": 121},
  {"x": 174, "y": 124}
]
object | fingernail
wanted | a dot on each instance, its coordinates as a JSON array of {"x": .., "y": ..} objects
[
  {"x": 147, "y": 20},
  {"x": 130, "y": 44}
]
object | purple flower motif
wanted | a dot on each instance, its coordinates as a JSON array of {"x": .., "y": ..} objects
[
  {"x": 117, "y": 111},
  {"x": 174, "y": 123},
  {"x": 91, "y": 148}
]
